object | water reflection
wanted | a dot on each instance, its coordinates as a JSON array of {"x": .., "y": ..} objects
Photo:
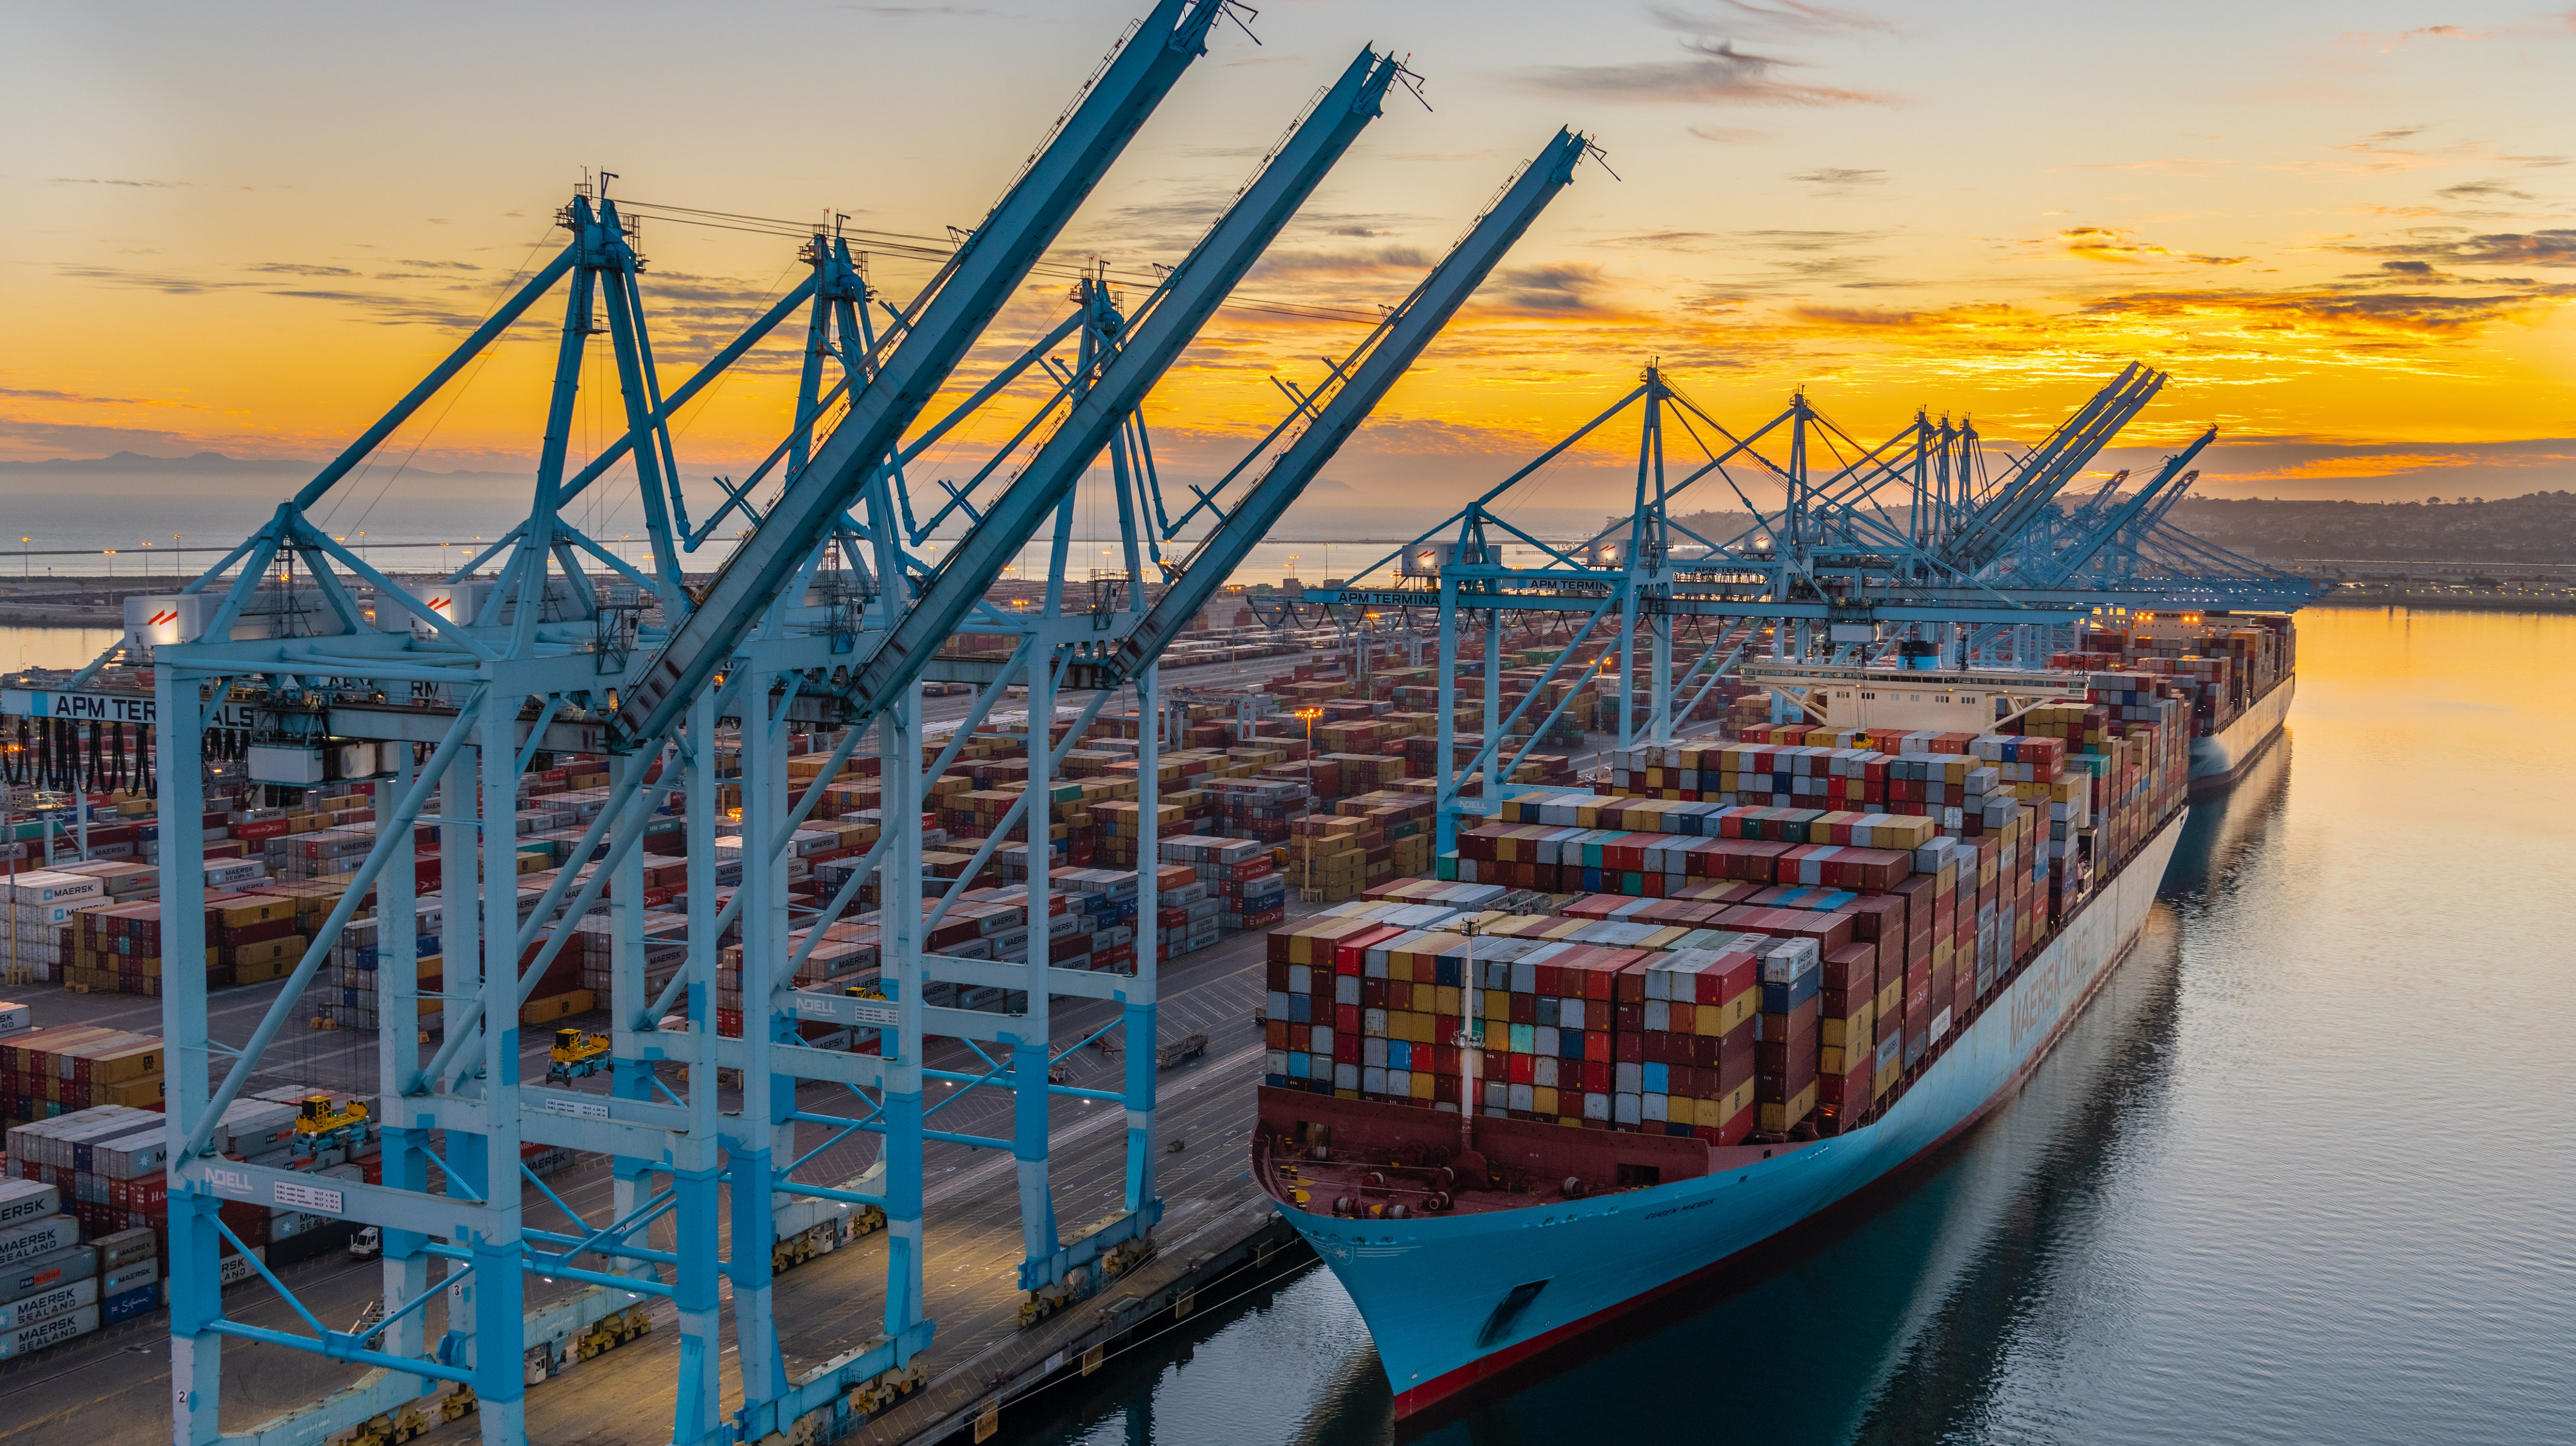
[{"x": 52, "y": 647}]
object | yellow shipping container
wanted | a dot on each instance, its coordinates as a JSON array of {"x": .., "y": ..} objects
[{"x": 1779, "y": 1117}]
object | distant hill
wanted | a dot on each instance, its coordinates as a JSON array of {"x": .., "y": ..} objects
[
  {"x": 202, "y": 466},
  {"x": 134, "y": 464},
  {"x": 2538, "y": 527}
]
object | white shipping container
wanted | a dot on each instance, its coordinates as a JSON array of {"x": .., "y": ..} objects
[
  {"x": 254, "y": 1126},
  {"x": 61, "y": 1328},
  {"x": 20, "y": 1243},
  {"x": 25, "y": 1200},
  {"x": 47, "y": 1271},
  {"x": 130, "y": 1156},
  {"x": 223, "y": 872},
  {"x": 14, "y": 1018},
  {"x": 45, "y": 886},
  {"x": 45, "y": 1304}
]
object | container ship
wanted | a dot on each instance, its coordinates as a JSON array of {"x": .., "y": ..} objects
[
  {"x": 1743, "y": 984},
  {"x": 2237, "y": 670}
]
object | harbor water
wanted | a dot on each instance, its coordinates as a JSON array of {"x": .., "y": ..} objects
[{"x": 2303, "y": 1171}]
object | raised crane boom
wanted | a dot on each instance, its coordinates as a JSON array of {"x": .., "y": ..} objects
[
  {"x": 2120, "y": 514},
  {"x": 977, "y": 281},
  {"x": 2003, "y": 518},
  {"x": 1400, "y": 340},
  {"x": 1181, "y": 306}
]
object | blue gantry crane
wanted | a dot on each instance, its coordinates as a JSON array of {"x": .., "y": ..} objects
[
  {"x": 1904, "y": 552},
  {"x": 828, "y": 608}
]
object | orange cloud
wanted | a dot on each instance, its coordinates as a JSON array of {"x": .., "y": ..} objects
[{"x": 2104, "y": 243}]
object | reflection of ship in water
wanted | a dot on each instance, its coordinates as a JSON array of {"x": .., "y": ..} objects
[
  {"x": 2227, "y": 827},
  {"x": 2022, "y": 1199}
]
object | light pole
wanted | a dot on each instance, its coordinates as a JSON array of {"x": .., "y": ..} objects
[
  {"x": 1368, "y": 646},
  {"x": 1310, "y": 715}
]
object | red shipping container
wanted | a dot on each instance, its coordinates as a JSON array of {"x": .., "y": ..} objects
[
  {"x": 1852, "y": 968},
  {"x": 1776, "y": 1087},
  {"x": 1734, "y": 1061},
  {"x": 1843, "y": 1099}
]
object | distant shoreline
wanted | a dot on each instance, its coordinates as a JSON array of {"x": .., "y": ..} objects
[
  {"x": 2409, "y": 603},
  {"x": 76, "y": 619},
  {"x": 68, "y": 619}
]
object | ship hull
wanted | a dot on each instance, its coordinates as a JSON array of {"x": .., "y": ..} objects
[
  {"x": 1453, "y": 1301},
  {"x": 2219, "y": 759}
]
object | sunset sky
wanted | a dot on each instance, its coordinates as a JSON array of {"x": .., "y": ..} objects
[{"x": 2346, "y": 229}]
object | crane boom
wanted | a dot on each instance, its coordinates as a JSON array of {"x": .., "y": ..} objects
[
  {"x": 1400, "y": 340},
  {"x": 1180, "y": 308},
  {"x": 983, "y": 274},
  {"x": 2121, "y": 514},
  {"x": 2047, "y": 471}
]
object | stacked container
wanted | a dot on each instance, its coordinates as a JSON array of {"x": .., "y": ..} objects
[{"x": 1695, "y": 1039}]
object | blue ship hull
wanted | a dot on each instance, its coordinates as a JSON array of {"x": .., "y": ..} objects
[{"x": 1453, "y": 1300}]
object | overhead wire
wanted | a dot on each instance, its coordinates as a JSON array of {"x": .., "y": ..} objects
[
  {"x": 929, "y": 248},
  {"x": 499, "y": 295}
]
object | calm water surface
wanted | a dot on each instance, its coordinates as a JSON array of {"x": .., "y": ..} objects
[
  {"x": 2303, "y": 1172},
  {"x": 52, "y": 647}
]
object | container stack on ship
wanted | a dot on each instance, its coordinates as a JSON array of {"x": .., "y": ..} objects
[
  {"x": 2236, "y": 670},
  {"x": 1740, "y": 982}
]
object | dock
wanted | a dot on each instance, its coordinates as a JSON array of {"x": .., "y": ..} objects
[{"x": 1219, "y": 1234}]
